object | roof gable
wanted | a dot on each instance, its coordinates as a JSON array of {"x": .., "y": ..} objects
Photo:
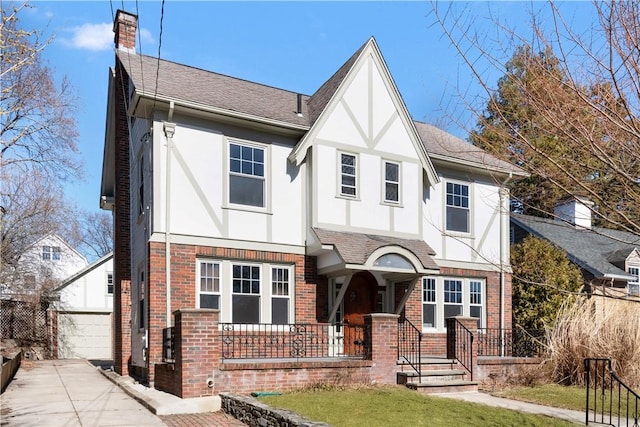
[{"x": 364, "y": 77}]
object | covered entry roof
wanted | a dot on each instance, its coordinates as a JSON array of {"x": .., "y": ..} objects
[{"x": 359, "y": 249}]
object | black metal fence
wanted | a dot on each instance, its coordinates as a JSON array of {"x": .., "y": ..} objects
[
  {"x": 608, "y": 400},
  {"x": 514, "y": 342},
  {"x": 410, "y": 344},
  {"x": 258, "y": 341}
]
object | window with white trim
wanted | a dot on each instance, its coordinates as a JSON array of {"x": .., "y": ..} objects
[
  {"x": 245, "y": 293},
  {"x": 247, "y": 184},
  {"x": 348, "y": 175},
  {"x": 457, "y": 205},
  {"x": 452, "y": 298},
  {"x": 209, "y": 285},
  {"x": 475, "y": 301},
  {"x": 444, "y": 297},
  {"x": 51, "y": 253},
  {"x": 109, "y": 283},
  {"x": 279, "y": 295},
  {"x": 391, "y": 182},
  {"x": 429, "y": 308},
  {"x": 633, "y": 286}
]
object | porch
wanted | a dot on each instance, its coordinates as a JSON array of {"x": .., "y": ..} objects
[{"x": 203, "y": 357}]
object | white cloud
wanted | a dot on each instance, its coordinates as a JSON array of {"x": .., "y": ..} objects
[
  {"x": 91, "y": 37},
  {"x": 98, "y": 37}
]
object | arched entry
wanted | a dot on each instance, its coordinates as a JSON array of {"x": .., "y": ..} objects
[{"x": 359, "y": 300}]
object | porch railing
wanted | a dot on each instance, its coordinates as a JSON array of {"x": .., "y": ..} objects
[
  {"x": 506, "y": 342},
  {"x": 267, "y": 341},
  {"x": 410, "y": 344},
  {"x": 609, "y": 400},
  {"x": 168, "y": 346},
  {"x": 460, "y": 345}
]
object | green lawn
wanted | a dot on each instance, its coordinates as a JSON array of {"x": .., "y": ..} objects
[
  {"x": 569, "y": 397},
  {"x": 398, "y": 406}
]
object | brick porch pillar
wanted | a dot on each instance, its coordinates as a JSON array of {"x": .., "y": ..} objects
[
  {"x": 459, "y": 341},
  {"x": 383, "y": 329},
  {"x": 197, "y": 350}
]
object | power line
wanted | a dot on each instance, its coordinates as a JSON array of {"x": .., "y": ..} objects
[{"x": 155, "y": 91}]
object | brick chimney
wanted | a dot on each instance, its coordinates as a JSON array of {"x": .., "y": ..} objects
[
  {"x": 124, "y": 27},
  {"x": 575, "y": 210}
]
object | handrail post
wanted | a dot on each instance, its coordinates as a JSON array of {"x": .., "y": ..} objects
[{"x": 587, "y": 365}]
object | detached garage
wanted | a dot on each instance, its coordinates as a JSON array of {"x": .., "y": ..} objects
[
  {"x": 85, "y": 335},
  {"x": 85, "y": 312}
]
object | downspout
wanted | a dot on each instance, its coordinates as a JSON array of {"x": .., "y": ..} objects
[
  {"x": 169, "y": 129},
  {"x": 503, "y": 216}
]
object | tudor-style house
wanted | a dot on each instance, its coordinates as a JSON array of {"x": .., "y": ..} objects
[{"x": 278, "y": 208}]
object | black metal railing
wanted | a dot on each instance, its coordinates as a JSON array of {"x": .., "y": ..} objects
[
  {"x": 267, "y": 341},
  {"x": 460, "y": 344},
  {"x": 511, "y": 343},
  {"x": 168, "y": 345},
  {"x": 609, "y": 400},
  {"x": 410, "y": 344}
]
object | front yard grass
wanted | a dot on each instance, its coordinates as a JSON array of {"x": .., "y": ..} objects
[
  {"x": 559, "y": 396},
  {"x": 398, "y": 406}
]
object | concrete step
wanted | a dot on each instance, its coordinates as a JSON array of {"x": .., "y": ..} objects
[
  {"x": 433, "y": 387},
  {"x": 430, "y": 363},
  {"x": 438, "y": 375}
]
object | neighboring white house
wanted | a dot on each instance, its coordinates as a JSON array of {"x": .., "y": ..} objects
[
  {"x": 85, "y": 312},
  {"x": 44, "y": 264}
]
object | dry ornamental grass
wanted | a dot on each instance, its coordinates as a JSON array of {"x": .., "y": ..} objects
[{"x": 596, "y": 327}]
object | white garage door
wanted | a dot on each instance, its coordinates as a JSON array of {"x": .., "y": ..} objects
[{"x": 84, "y": 335}]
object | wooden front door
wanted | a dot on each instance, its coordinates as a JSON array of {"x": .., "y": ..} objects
[{"x": 358, "y": 300}]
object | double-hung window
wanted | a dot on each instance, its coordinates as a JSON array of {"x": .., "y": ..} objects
[
  {"x": 209, "y": 285},
  {"x": 46, "y": 253},
  {"x": 247, "y": 175},
  {"x": 348, "y": 175},
  {"x": 391, "y": 182},
  {"x": 452, "y": 298},
  {"x": 279, "y": 295},
  {"x": 55, "y": 253},
  {"x": 429, "y": 308},
  {"x": 457, "y": 216},
  {"x": 245, "y": 293},
  {"x": 475, "y": 300},
  {"x": 633, "y": 286},
  {"x": 109, "y": 283}
]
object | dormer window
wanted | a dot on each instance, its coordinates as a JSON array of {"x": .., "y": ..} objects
[{"x": 633, "y": 286}]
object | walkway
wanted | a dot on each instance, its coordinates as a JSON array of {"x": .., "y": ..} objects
[
  {"x": 74, "y": 393},
  {"x": 516, "y": 405}
]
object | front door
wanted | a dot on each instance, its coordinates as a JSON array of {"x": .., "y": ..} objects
[{"x": 359, "y": 300}]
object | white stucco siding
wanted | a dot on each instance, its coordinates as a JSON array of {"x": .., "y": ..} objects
[
  {"x": 406, "y": 219},
  {"x": 482, "y": 243},
  {"x": 287, "y": 199},
  {"x": 486, "y": 219},
  {"x": 197, "y": 166},
  {"x": 341, "y": 129}
]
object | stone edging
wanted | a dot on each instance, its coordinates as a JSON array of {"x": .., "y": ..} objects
[{"x": 256, "y": 414}]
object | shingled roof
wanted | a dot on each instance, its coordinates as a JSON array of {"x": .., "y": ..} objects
[
  {"x": 596, "y": 250},
  {"x": 356, "y": 248},
  {"x": 208, "y": 90}
]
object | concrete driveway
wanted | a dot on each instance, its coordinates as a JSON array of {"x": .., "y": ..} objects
[{"x": 69, "y": 393}]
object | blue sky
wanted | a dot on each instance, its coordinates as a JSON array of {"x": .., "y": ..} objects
[{"x": 294, "y": 45}]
